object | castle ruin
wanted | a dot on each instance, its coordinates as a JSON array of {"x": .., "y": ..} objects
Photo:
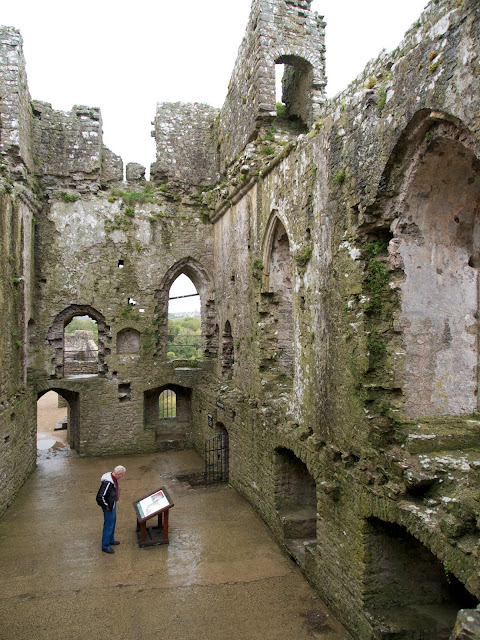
[{"x": 335, "y": 247}]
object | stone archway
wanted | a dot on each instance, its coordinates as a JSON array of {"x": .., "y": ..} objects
[
  {"x": 202, "y": 283},
  {"x": 171, "y": 427},
  {"x": 407, "y": 589},
  {"x": 55, "y": 337},
  {"x": 295, "y": 502},
  {"x": 278, "y": 298},
  {"x": 436, "y": 241},
  {"x": 70, "y": 411}
]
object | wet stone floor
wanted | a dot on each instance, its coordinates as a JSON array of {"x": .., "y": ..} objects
[{"x": 222, "y": 576}]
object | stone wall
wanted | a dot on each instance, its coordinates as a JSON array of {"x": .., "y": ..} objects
[
  {"x": 278, "y": 32},
  {"x": 68, "y": 149},
  {"x": 186, "y": 148},
  {"x": 18, "y": 209},
  {"x": 15, "y": 108}
]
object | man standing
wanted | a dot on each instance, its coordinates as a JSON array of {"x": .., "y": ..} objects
[{"x": 107, "y": 498}]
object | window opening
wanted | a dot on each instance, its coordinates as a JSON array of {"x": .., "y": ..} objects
[
  {"x": 167, "y": 404},
  {"x": 184, "y": 321},
  {"x": 80, "y": 347},
  {"x": 296, "y": 502},
  {"x": 293, "y": 93},
  {"x": 280, "y": 283},
  {"x": 227, "y": 351},
  {"x": 124, "y": 391}
]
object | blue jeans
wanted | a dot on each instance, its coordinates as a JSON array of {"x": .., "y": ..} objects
[{"x": 109, "y": 520}]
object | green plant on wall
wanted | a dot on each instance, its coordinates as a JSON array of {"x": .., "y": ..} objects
[
  {"x": 257, "y": 268},
  {"x": 69, "y": 197},
  {"x": 382, "y": 98},
  {"x": 377, "y": 274},
  {"x": 376, "y": 347},
  {"x": 119, "y": 222},
  {"x": 302, "y": 257},
  {"x": 267, "y": 150}
]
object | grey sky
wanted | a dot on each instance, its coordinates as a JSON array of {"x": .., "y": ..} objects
[{"x": 124, "y": 57}]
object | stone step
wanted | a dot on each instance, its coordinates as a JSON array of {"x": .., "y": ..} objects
[{"x": 426, "y": 437}]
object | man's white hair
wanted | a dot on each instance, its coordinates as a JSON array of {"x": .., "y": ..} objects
[{"x": 119, "y": 470}]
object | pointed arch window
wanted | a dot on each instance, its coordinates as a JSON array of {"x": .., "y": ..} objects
[
  {"x": 278, "y": 284},
  {"x": 184, "y": 340}
]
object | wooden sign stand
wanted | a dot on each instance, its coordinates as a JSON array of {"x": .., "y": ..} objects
[{"x": 153, "y": 504}]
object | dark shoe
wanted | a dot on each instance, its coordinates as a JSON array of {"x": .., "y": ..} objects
[
  {"x": 115, "y": 542},
  {"x": 108, "y": 550}
]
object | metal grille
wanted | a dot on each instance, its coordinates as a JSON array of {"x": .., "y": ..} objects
[
  {"x": 216, "y": 458},
  {"x": 167, "y": 404}
]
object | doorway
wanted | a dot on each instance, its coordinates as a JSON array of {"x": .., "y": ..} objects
[{"x": 52, "y": 424}]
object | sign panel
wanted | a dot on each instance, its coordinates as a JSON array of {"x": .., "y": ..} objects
[{"x": 152, "y": 504}]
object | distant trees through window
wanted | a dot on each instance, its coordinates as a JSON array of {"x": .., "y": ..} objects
[
  {"x": 184, "y": 321},
  {"x": 167, "y": 404}
]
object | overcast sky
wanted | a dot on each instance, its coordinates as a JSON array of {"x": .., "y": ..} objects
[{"x": 124, "y": 57}]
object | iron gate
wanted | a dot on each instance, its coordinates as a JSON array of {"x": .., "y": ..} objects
[{"x": 216, "y": 458}]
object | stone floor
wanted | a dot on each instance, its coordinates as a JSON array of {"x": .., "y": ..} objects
[{"x": 221, "y": 577}]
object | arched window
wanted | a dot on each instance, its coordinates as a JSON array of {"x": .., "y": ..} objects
[
  {"x": 80, "y": 347},
  {"x": 168, "y": 414},
  {"x": 167, "y": 404},
  {"x": 184, "y": 339},
  {"x": 184, "y": 313},
  {"x": 278, "y": 281},
  {"x": 436, "y": 240},
  {"x": 79, "y": 336}
]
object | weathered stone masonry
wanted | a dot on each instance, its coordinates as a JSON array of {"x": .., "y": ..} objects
[{"x": 335, "y": 251}]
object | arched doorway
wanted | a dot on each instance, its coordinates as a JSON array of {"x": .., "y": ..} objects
[
  {"x": 408, "y": 592},
  {"x": 57, "y": 423},
  {"x": 295, "y": 502},
  {"x": 436, "y": 242},
  {"x": 168, "y": 412}
]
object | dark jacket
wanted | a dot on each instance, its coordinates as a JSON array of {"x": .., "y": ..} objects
[{"x": 107, "y": 492}]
